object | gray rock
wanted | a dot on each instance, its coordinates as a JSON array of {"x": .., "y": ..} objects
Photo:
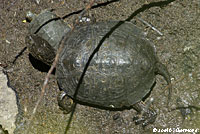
[{"x": 8, "y": 104}]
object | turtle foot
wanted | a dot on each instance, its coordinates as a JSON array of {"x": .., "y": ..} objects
[
  {"x": 65, "y": 103},
  {"x": 146, "y": 118},
  {"x": 146, "y": 115}
]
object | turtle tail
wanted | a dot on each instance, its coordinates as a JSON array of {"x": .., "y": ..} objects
[{"x": 162, "y": 70}]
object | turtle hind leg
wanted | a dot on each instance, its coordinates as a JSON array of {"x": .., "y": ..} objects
[
  {"x": 64, "y": 102},
  {"x": 162, "y": 70},
  {"x": 146, "y": 115}
]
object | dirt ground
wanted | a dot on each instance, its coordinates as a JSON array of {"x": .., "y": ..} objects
[{"x": 178, "y": 47}]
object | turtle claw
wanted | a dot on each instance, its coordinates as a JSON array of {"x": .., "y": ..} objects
[
  {"x": 146, "y": 115},
  {"x": 138, "y": 120}
]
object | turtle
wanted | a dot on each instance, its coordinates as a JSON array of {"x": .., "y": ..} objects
[{"x": 119, "y": 75}]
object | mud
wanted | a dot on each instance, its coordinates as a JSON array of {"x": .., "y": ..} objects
[{"x": 177, "y": 44}]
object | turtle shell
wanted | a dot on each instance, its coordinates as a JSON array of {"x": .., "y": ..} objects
[
  {"x": 45, "y": 32},
  {"x": 120, "y": 74}
]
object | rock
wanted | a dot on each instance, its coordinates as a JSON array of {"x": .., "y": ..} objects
[{"x": 8, "y": 104}]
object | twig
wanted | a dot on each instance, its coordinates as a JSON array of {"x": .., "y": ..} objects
[
  {"x": 55, "y": 62},
  {"x": 19, "y": 54},
  {"x": 45, "y": 83},
  {"x": 149, "y": 25},
  {"x": 92, "y": 7},
  {"x": 143, "y": 8},
  {"x": 82, "y": 75}
]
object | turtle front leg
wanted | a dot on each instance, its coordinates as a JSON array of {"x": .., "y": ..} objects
[
  {"x": 64, "y": 102},
  {"x": 146, "y": 115}
]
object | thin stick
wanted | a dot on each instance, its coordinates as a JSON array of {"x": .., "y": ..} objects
[
  {"x": 45, "y": 83},
  {"x": 55, "y": 62},
  {"x": 74, "y": 106},
  {"x": 19, "y": 54},
  {"x": 149, "y": 25}
]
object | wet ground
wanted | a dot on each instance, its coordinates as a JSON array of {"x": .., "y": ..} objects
[{"x": 178, "y": 47}]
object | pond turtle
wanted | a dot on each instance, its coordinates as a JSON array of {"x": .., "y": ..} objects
[{"x": 119, "y": 75}]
